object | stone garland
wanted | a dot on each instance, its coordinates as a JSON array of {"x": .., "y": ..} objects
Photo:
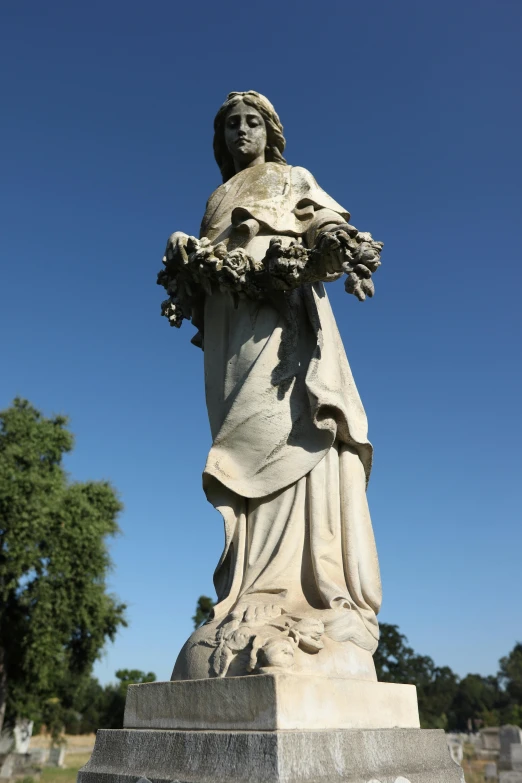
[{"x": 195, "y": 265}]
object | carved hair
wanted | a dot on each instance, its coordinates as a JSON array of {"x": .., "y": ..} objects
[{"x": 275, "y": 141}]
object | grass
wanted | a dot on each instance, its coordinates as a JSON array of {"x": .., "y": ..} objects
[
  {"x": 73, "y": 762},
  {"x": 474, "y": 770}
]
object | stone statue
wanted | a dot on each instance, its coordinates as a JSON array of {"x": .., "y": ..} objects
[
  {"x": 298, "y": 582},
  {"x": 280, "y": 684}
]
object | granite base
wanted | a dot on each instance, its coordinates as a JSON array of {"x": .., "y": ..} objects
[{"x": 332, "y": 756}]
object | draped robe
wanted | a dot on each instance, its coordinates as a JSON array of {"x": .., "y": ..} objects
[{"x": 290, "y": 456}]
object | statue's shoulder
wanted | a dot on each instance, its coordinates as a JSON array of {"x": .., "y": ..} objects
[
  {"x": 299, "y": 173},
  {"x": 303, "y": 181},
  {"x": 263, "y": 182}
]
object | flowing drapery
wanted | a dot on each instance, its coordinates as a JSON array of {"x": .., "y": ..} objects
[{"x": 290, "y": 456}]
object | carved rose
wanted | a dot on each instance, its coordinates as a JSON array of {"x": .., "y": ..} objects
[{"x": 237, "y": 261}]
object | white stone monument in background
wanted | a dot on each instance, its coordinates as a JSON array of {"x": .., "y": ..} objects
[
  {"x": 280, "y": 684},
  {"x": 510, "y": 760},
  {"x": 17, "y": 738},
  {"x": 15, "y": 758},
  {"x": 510, "y": 738}
]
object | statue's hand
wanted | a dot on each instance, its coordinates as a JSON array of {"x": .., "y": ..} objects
[
  {"x": 333, "y": 242},
  {"x": 342, "y": 248},
  {"x": 176, "y": 246},
  {"x": 344, "y": 228}
]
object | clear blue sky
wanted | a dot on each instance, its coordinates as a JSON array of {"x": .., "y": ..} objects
[{"x": 409, "y": 114}]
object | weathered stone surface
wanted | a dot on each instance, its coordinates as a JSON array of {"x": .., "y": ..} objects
[
  {"x": 510, "y": 776},
  {"x": 298, "y": 584},
  {"x": 509, "y": 736},
  {"x": 516, "y": 757},
  {"x": 345, "y": 756},
  {"x": 489, "y": 738},
  {"x": 271, "y": 701}
]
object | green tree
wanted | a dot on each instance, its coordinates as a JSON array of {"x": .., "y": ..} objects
[
  {"x": 204, "y": 609},
  {"x": 510, "y": 674},
  {"x": 113, "y": 700},
  {"x": 477, "y": 699},
  {"x": 55, "y": 612},
  {"x": 511, "y": 714},
  {"x": 82, "y": 707}
]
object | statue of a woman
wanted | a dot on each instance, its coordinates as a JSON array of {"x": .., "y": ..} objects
[{"x": 298, "y": 583}]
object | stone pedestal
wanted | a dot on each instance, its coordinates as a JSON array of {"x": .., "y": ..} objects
[
  {"x": 271, "y": 729},
  {"x": 268, "y": 702},
  {"x": 343, "y": 756}
]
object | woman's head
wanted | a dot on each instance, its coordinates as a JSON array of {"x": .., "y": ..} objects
[{"x": 239, "y": 135}]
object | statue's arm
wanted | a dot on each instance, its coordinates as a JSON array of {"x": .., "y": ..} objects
[{"x": 323, "y": 220}]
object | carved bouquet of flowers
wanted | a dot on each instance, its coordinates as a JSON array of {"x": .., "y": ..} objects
[{"x": 193, "y": 265}]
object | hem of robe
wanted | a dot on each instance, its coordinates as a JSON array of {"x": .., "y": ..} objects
[{"x": 355, "y": 591}]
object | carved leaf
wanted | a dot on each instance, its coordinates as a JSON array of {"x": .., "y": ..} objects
[{"x": 221, "y": 659}]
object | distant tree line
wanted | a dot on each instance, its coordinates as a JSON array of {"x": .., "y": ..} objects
[
  {"x": 445, "y": 700},
  {"x": 91, "y": 706}
]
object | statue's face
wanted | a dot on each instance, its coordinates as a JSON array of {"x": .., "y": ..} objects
[{"x": 245, "y": 134}]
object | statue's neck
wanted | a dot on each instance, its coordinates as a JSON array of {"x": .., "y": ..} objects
[{"x": 241, "y": 165}]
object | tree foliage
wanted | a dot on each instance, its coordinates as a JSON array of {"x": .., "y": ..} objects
[
  {"x": 93, "y": 706},
  {"x": 55, "y": 612},
  {"x": 478, "y": 700},
  {"x": 204, "y": 609},
  {"x": 112, "y": 701},
  {"x": 510, "y": 673}
]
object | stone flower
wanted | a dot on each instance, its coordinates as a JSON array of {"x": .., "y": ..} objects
[
  {"x": 172, "y": 312},
  {"x": 236, "y": 263}
]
